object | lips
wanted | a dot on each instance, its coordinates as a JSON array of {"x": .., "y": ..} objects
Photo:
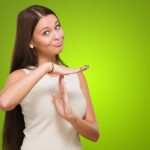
[{"x": 58, "y": 44}]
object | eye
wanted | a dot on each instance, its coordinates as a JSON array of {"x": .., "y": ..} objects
[
  {"x": 46, "y": 33},
  {"x": 57, "y": 26}
]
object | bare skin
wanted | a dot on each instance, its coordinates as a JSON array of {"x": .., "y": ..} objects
[
  {"x": 46, "y": 35},
  {"x": 10, "y": 97}
]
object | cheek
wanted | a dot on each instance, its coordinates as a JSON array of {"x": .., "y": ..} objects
[
  {"x": 61, "y": 33},
  {"x": 43, "y": 41},
  {"x": 43, "y": 44}
]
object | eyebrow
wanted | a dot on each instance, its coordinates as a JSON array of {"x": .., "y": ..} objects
[{"x": 48, "y": 26}]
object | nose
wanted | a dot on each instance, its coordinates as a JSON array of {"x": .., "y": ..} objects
[{"x": 56, "y": 35}]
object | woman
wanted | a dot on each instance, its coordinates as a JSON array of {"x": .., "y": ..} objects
[{"x": 47, "y": 103}]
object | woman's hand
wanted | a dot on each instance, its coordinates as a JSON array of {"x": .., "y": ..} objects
[
  {"x": 61, "y": 102},
  {"x": 62, "y": 70}
]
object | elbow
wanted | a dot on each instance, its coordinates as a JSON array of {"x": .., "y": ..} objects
[
  {"x": 96, "y": 137},
  {"x": 96, "y": 134},
  {"x": 4, "y": 106}
]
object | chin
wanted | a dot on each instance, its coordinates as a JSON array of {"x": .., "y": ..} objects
[{"x": 57, "y": 51}]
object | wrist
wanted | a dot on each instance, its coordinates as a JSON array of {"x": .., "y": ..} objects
[
  {"x": 73, "y": 119},
  {"x": 49, "y": 66},
  {"x": 52, "y": 67}
]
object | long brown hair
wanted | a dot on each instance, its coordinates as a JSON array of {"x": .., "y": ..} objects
[{"x": 22, "y": 57}]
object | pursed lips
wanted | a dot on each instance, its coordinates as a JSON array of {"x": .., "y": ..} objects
[{"x": 58, "y": 44}]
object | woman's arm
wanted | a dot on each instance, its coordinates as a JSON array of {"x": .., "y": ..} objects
[
  {"x": 87, "y": 127},
  {"x": 18, "y": 85}
]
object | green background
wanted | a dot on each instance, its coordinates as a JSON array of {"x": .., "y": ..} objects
[{"x": 112, "y": 37}]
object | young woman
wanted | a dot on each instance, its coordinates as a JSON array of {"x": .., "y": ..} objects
[{"x": 47, "y": 103}]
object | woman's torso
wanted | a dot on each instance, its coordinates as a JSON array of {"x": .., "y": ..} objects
[{"x": 45, "y": 129}]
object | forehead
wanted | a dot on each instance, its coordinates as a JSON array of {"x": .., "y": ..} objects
[{"x": 45, "y": 21}]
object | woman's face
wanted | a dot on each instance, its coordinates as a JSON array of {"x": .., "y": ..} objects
[{"x": 48, "y": 36}]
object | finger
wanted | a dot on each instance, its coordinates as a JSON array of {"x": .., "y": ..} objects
[
  {"x": 84, "y": 67},
  {"x": 67, "y": 105},
  {"x": 63, "y": 95},
  {"x": 64, "y": 92},
  {"x": 60, "y": 87},
  {"x": 78, "y": 69},
  {"x": 55, "y": 98}
]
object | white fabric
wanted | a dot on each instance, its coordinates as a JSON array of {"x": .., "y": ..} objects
[{"x": 45, "y": 129}]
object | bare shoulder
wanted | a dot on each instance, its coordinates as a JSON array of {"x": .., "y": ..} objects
[
  {"x": 80, "y": 74},
  {"x": 82, "y": 78},
  {"x": 90, "y": 114},
  {"x": 17, "y": 74},
  {"x": 13, "y": 77},
  {"x": 83, "y": 83}
]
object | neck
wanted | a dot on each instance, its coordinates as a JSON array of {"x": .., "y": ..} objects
[{"x": 43, "y": 60}]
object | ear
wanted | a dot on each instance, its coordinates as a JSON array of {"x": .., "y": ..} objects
[{"x": 31, "y": 45}]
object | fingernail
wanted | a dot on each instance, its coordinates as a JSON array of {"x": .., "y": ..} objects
[{"x": 86, "y": 66}]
